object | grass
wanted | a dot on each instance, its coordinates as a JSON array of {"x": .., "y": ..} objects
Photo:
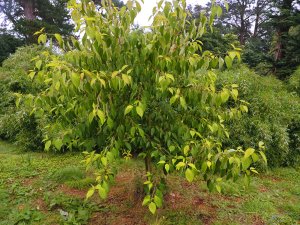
[{"x": 40, "y": 188}]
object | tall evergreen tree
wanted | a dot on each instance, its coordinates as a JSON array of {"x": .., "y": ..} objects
[
  {"x": 28, "y": 16},
  {"x": 285, "y": 21}
]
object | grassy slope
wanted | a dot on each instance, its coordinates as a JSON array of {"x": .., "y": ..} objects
[{"x": 32, "y": 192}]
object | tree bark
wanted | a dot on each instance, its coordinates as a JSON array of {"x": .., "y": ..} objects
[
  {"x": 148, "y": 163},
  {"x": 28, "y": 6}
]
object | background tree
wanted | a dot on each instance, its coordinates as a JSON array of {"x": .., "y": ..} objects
[
  {"x": 285, "y": 20},
  {"x": 8, "y": 44},
  {"x": 28, "y": 16}
]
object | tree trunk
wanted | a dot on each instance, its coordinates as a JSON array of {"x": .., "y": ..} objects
[
  {"x": 278, "y": 48},
  {"x": 28, "y": 6},
  {"x": 148, "y": 163}
]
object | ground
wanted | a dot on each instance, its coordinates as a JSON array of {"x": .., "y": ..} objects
[{"x": 45, "y": 188}]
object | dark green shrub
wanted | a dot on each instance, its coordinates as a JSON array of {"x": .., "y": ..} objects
[
  {"x": 16, "y": 124},
  {"x": 294, "y": 81},
  {"x": 274, "y": 116}
]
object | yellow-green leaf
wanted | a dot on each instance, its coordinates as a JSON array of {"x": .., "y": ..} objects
[
  {"x": 263, "y": 156},
  {"x": 152, "y": 207},
  {"x": 59, "y": 39},
  {"x": 128, "y": 109},
  {"x": 102, "y": 192},
  {"x": 139, "y": 111},
  {"x": 189, "y": 175},
  {"x": 58, "y": 144},
  {"x": 90, "y": 193},
  {"x": 228, "y": 61},
  {"x": 101, "y": 116},
  {"x": 249, "y": 152},
  {"x": 47, "y": 145}
]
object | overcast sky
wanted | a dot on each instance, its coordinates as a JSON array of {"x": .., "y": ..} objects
[{"x": 142, "y": 18}]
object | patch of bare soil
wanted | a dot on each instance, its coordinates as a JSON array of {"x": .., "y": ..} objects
[
  {"x": 72, "y": 191},
  {"x": 257, "y": 220},
  {"x": 29, "y": 181},
  {"x": 124, "y": 204},
  {"x": 41, "y": 205}
]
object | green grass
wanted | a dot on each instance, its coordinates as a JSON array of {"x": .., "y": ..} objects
[{"x": 45, "y": 188}]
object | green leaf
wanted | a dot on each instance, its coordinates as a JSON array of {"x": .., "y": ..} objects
[
  {"x": 59, "y": 39},
  {"x": 249, "y": 152},
  {"x": 91, "y": 117},
  {"x": 38, "y": 64},
  {"x": 101, "y": 116},
  {"x": 224, "y": 96},
  {"x": 179, "y": 165},
  {"x": 152, "y": 207},
  {"x": 110, "y": 123},
  {"x": 183, "y": 103},
  {"x": 228, "y": 62},
  {"x": 31, "y": 75},
  {"x": 255, "y": 157},
  {"x": 226, "y": 5},
  {"x": 234, "y": 94},
  {"x": 186, "y": 149},
  {"x": 189, "y": 175},
  {"x": 42, "y": 38},
  {"x": 158, "y": 201},
  {"x": 221, "y": 62},
  {"x": 47, "y": 145},
  {"x": 246, "y": 162},
  {"x": 232, "y": 54},
  {"x": 90, "y": 193},
  {"x": 58, "y": 144},
  {"x": 102, "y": 192},
  {"x": 263, "y": 156},
  {"x": 173, "y": 99},
  {"x": 139, "y": 111},
  {"x": 75, "y": 78},
  {"x": 167, "y": 167},
  {"x": 104, "y": 161},
  {"x": 246, "y": 180},
  {"x": 128, "y": 109},
  {"x": 18, "y": 100},
  {"x": 146, "y": 200}
]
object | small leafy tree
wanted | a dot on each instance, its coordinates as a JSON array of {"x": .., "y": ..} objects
[{"x": 120, "y": 90}]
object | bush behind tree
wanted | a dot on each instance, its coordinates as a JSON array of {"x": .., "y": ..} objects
[
  {"x": 16, "y": 124},
  {"x": 274, "y": 116}
]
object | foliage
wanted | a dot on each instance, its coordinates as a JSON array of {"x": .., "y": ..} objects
[
  {"x": 147, "y": 92},
  {"x": 285, "y": 19},
  {"x": 274, "y": 116},
  {"x": 8, "y": 45},
  {"x": 27, "y": 17},
  {"x": 294, "y": 81},
  {"x": 17, "y": 124}
]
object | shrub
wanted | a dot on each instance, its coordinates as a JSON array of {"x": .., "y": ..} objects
[
  {"x": 294, "y": 81},
  {"x": 16, "y": 124},
  {"x": 274, "y": 115}
]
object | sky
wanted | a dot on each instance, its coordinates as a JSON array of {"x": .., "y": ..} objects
[{"x": 143, "y": 16}]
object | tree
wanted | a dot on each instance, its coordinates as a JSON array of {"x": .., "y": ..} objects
[
  {"x": 221, "y": 38},
  {"x": 29, "y": 16},
  {"x": 285, "y": 19},
  {"x": 121, "y": 91},
  {"x": 8, "y": 44}
]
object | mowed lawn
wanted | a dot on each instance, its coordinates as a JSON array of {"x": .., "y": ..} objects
[{"x": 45, "y": 188}]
